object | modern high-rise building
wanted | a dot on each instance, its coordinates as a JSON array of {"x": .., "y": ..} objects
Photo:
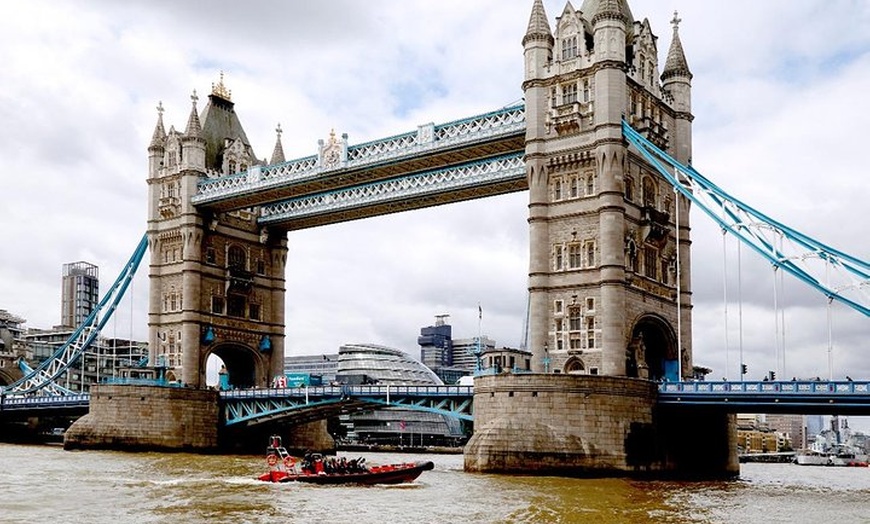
[
  {"x": 435, "y": 344},
  {"x": 79, "y": 293}
]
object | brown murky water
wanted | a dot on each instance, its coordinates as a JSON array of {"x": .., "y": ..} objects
[{"x": 47, "y": 484}]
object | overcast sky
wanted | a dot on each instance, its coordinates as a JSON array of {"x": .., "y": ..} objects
[{"x": 780, "y": 104}]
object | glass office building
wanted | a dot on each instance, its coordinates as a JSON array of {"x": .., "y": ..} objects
[
  {"x": 80, "y": 291},
  {"x": 370, "y": 363}
]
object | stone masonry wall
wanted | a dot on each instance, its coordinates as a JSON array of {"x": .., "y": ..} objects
[
  {"x": 134, "y": 418},
  {"x": 580, "y": 425}
]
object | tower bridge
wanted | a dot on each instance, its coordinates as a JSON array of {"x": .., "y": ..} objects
[{"x": 602, "y": 144}]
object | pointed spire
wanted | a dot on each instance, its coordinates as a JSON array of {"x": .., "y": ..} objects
[
  {"x": 194, "y": 128},
  {"x": 278, "y": 152},
  {"x": 676, "y": 64},
  {"x": 539, "y": 28},
  {"x": 159, "y": 136},
  {"x": 612, "y": 9}
]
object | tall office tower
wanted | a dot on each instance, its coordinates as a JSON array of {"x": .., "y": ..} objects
[
  {"x": 436, "y": 344},
  {"x": 80, "y": 292}
]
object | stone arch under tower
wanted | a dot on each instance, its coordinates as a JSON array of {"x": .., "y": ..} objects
[
  {"x": 244, "y": 366},
  {"x": 652, "y": 350},
  {"x": 574, "y": 365}
]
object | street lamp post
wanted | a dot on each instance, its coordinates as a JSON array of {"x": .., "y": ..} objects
[{"x": 546, "y": 359}]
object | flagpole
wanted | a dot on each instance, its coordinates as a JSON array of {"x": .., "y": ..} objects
[{"x": 479, "y": 349}]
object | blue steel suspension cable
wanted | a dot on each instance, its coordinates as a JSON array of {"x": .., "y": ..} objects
[
  {"x": 50, "y": 369},
  {"x": 732, "y": 208}
]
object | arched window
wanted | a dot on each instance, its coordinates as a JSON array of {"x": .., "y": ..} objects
[
  {"x": 649, "y": 192},
  {"x": 236, "y": 258},
  {"x": 575, "y": 366}
]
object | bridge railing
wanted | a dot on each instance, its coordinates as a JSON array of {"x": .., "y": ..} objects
[
  {"x": 352, "y": 391},
  {"x": 794, "y": 387},
  {"x": 43, "y": 402}
]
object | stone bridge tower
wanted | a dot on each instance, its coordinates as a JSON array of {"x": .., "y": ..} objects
[
  {"x": 605, "y": 278},
  {"x": 603, "y": 231},
  {"x": 216, "y": 278}
]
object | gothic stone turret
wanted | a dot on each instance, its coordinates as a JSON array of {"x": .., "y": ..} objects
[
  {"x": 603, "y": 230},
  {"x": 229, "y": 271},
  {"x": 602, "y": 223}
]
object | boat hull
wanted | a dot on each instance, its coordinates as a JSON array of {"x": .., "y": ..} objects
[{"x": 388, "y": 474}]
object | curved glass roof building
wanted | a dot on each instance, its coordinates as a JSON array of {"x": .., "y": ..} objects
[
  {"x": 361, "y": 363},
  {"x": 384, "y": 364}
]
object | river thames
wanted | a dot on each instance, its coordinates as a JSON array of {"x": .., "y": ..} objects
[{"x": 48, "y": 484}]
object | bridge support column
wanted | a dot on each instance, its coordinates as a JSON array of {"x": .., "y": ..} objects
[
  {"x": 698, "y": 443},
  {"x": 312, "y": 436},
  {"x": 592, "y": 426},
  {"x": 140, "y": 418}
]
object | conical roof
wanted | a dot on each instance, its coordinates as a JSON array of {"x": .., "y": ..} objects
[
  {"x": 592, "y": 7},
  {"x": 676, "y": 64},
  {"x": 278, "y": 152},
  {"x": 159, "y": 136},
  {"x": 194, "y": 127},
  {"x": 539, "y": 27}
]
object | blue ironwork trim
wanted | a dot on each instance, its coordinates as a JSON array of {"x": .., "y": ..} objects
[
  {"x": 44, "y": 375},
  {"x": 731, "y": 206}
]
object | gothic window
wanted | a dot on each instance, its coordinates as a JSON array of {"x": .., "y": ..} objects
[
  {"x": 590, "y": 185},
  {"x": 261, "y": 267},
  {"x": 232, "y": 167},
  {"x": 569, "y": 47},
  {"x": 629, "y": 189},
  {"x": 236, "y": 258},
  {"x": 559, "y": 326},
  {"x": 665, "y": 272},
  {"x": 254, "y": 311},
  {"x": 560, "y": 344},
  {"x": 575, "y": 187},
  {"x": 590, "y": 304},
  {"x": 586, "y": 95},
  {"x": 217, "y": 305},
  {"x": 590, "y": 254},
  {"x": 557, "y": 250},
  {"x": 557, "y": 189},
  {"x": 590, "y": 332},
  {"x": 576, "y": 342},
  {"x": 236, "y": 306},
  {"x": 574, "y": 256},
  {"x": 210, "y": 255},
  {"x": 650, "y": 262},
  {"x": 558, "y": 307},
  {"x": 649, "y": 192},
  {"x": 575, "y": 319},
  {"x": 173, "y": 301},
  {"x": 569, "y": 93}
]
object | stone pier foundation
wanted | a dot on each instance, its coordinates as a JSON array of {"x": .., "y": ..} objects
[
  {"x": 140, "y": 418},
  {"x": 594, "y": 426}
]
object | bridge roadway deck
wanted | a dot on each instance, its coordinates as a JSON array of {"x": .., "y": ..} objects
[
  {"x": 255, "y": 406},
  {"x": 795, "y": 397}
]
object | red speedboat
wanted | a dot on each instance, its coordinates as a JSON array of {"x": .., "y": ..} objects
[{"x": 316, "y": 469}]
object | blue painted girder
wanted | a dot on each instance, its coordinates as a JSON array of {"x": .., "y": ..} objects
[{"x": 260, "y": 405}]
